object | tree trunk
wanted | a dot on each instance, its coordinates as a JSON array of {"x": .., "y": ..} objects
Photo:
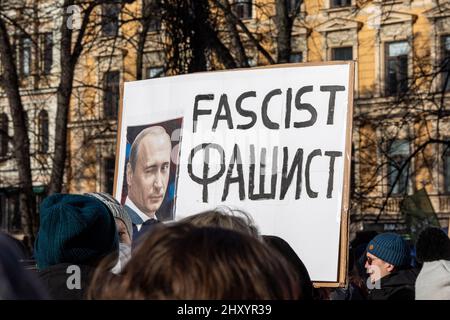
[
  {"x": 140, "y": 49},
  {"x": 228, "y": 12},
  {"x": 21, "y": 141},
  {"x": 62, "y": 112},
  {"x": 69, "y": 58},
  {"x": 241, "y": 56},
  {"x": 199, "y": 18},
  {"x": 284, "y": 27}
]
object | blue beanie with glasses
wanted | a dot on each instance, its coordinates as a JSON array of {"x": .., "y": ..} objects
[{"x": 390, "y": 247}]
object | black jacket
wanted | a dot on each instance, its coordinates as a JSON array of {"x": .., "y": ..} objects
[
  {"x": 57, "y": 277},
  {"x": 398, "y": 285},
  {"x": 352, "y": 292}
]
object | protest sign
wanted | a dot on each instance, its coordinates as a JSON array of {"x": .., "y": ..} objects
[{"x": 274, "y": 142}]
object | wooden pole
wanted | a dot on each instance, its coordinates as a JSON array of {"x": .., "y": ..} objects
[{"x": 448, "y": 228}]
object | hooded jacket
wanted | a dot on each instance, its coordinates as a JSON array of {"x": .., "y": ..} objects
[
  {"x": 398, "y": 285},
  {"x": 16, "y": 282},
  {"x": 433, "y": 281}
]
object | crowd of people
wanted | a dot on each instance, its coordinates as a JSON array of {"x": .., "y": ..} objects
[{"x": 86, "y": 248}]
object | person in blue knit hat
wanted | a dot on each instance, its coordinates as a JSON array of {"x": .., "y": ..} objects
[
  {"x": 389, "y": 266},
  {"x": 76, "y": 232}
]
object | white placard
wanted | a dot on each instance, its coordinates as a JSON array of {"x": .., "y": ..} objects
[{"x": 277, "y": 140}]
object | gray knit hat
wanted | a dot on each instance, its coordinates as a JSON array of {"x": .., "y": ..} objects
[{"x": 116, "y": 209}]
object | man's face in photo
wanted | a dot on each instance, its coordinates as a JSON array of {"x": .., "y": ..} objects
[{"x": 147, "y": 184}]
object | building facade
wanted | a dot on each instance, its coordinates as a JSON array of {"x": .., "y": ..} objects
[{"x": 401, "y": 107}]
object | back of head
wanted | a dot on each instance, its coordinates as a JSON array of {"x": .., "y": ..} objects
[
  {"x": 182, "y": 261},
  {"x": 226, "y": 218},
  {"x": 305, "y": 284},
  {"x": 115, "y": 208},
  {"x": 16, "y": 282},
  {"x": 432, "y": 244},
  {"x": 74, "y": 229},
  {"x": 391, "y": 248}
]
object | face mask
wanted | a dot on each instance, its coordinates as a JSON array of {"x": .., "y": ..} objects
[{"x": 124, "y": 257}]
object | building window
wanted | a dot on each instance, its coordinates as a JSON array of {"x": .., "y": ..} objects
[
  {"x": 152, "y": 14},
  {"x": 446, "y": 168},
  {"x": 109, "y": 166},
  {"x": 342, "y": 53},
  {"x": 10, "y": 210},
  {"x": 445, "y": 65},
  {"x": 296, "y": 57},
  {"x": 398, "y": 175},
  {"x": 110, "y": 19},
  {"x": 292, "y": 5},
  {"x": 25, "y": 56},
  {"x": 4, "y": 138},
  {"x": 243, "y": 9},
  {"x": 46, "y": 52},
  {"x": 154, "y": 72},
  {"x": 43, "y": 135},
  {"x": 111, "y": 94},
  {"x": 396, "y": 67},
  {"x": 340, "y": 3}
]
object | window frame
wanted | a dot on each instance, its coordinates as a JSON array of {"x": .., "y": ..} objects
[
  {"x": 291, "y": 5},
  {"x": 110, "y": 24},
  {"x": 4, "y": 138},
  {"x": 296, "y": 53},
  {"x": 446, "y": 170},
  {"x": 334, "y": 6},
  {"x": 393, "y": 167},
  {"x": 156, "y": 21},
  {"x": 29, "y": 49},
  {"x": 107, "y": 170},
  {"x": 333, "y": 53},
  {"x": 445, "y": 67},
  {"x": 43, "y": 132},
  {"x": 247, "y": 9},
  {"x": 46, "y": 51},
  {"x": 159, "y": 75},
  {"x": 400, "y": 86},
  {"x": 111, "y": 94}
]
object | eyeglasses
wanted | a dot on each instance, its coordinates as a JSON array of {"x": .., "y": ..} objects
[{"x": 370, "y": 260}]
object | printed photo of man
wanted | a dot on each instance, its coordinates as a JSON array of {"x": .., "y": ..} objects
[{"x": 147, "y": 177}]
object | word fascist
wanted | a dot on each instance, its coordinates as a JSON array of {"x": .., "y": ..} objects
[{"x": 223, "y": 112}]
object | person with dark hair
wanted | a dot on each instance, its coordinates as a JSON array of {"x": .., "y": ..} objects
[
  {"x": 433, "y": 250},
  {"x": 238, "y": 220},
  {"x": 147, "y": 175},
  {"x": 181, "y": 261},
  {"x": 76, "y": 233},
  {"x": 17, "y": 283},
  {"x": 388, "y": 264},
  {"x": 356, "y": 289},
  {"x": 225, "y": 217},
  {"x": 304, "y": 283}
]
